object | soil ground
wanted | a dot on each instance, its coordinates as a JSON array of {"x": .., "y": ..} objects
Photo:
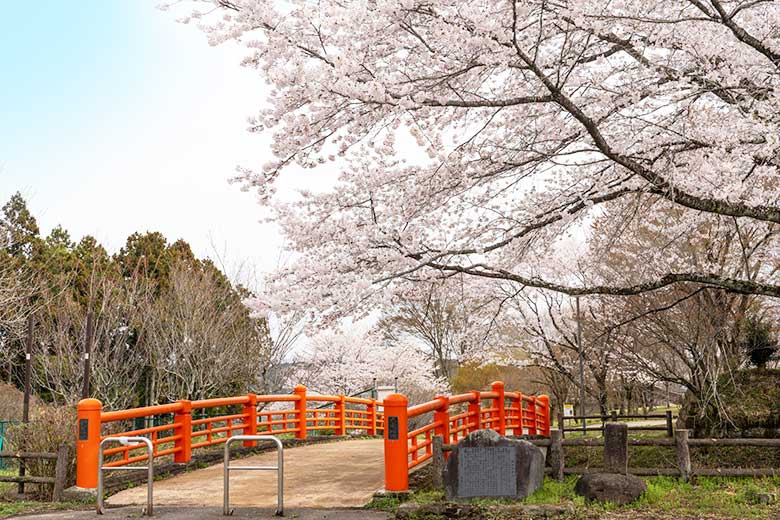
[{"x": 341, "y": 474}]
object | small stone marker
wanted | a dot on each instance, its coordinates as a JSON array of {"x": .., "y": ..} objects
[
  {"x": 616, "y": 448},
  {"x": 485, "y": 464},
  {"x": 614, "y": 484}
]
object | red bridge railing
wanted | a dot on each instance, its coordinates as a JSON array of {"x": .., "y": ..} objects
[
  {"x": 179, "y": 433},
  {"x": 453, "y": 418}
]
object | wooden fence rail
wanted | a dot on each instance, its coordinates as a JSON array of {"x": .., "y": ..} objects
[
  {"x": 58, "y": 481},
  {"x": 556, "y": 445},
  {"x": 614, "y": 417}
]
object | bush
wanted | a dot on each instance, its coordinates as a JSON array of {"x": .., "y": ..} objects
[
  {"x": 758, "y": 343},
  {"x": 12, "y": 402},
  {"x": 50, "y": 428}
]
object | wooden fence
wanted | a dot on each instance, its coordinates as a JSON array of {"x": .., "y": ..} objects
[
  {"x": 616, "y": 455},
  {"x": 58, "y": 481},
  {"x": 614, "y": 417}
]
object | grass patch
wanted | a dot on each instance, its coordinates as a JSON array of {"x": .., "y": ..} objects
[
  {"x": 20, "y": 507},
  {"x": 389, "y": 504},
  {"x": 730, "y": 497},
  {"x": 721, "y": 498}
]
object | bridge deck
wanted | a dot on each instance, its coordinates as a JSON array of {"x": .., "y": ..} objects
[{"x": 338, "y": 474}]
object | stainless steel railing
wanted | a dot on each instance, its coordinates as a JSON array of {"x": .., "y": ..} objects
[
  {"x": 126, "y": 441},
  {"x": 279, "y": 471}
]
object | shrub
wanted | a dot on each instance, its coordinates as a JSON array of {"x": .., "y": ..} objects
[
  {"x": 759, "y": 344},
  {"x": 50, "y": 428}
]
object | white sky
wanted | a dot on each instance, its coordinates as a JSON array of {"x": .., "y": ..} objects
[{"x": 140, "y": 130}]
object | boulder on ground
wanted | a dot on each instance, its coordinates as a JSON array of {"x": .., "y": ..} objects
[{"x": 610, "y": 487}]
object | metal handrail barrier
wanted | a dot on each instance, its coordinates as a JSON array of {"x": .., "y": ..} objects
[
  {"x": 226, "y": 511},
  {"x": 127, "y": 441}
]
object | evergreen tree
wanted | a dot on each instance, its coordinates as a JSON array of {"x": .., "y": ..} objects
[{"x": 19, "y": 231}]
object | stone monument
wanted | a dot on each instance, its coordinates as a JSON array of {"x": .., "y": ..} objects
[
  {"x": 487, "y": 465},
  {"x": 614, "y": 484}
]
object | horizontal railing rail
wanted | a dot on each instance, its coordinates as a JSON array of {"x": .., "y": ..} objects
[
  {"x": 186, "y": 425},
  {"x": 453, "y": 418}
]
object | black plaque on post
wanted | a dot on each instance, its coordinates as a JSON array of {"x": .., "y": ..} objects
[
  {"x": 83, "y": 429},
  {"x": 392, "y": 428}
]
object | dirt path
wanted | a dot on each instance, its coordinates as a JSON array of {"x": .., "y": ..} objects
[{"x": 338, "y": 474}]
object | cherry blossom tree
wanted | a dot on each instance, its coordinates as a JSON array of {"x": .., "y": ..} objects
[
  {"x": 453, "y": 321},
  {"x": 350, "y": 361},
  {"x": 471, "y": 136}
]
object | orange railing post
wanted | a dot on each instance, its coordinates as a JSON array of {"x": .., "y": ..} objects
[
  {"x": 87, "y": 442},
  {"x": 300, "y": 411},
  {"x": 521, "y": 412},
  {"x": 498, "y": 404},
  {"x": 442, "y": 416},
  {"x": 341, "y": 414},
  {"x": 532, "y": 413},
  {"x": 475, "y": 412},
  {"x": 250, "y": 421},
  {"x": 396, "y": 443},
  {"x": 516, "y": 405},
  {"x": 371, "y": 412},
  {"x": 183, "y": 417},
  {"x": 544, "y": 403}
]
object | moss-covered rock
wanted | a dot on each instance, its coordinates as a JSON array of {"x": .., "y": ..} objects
[{"x": 748, "y": 405}]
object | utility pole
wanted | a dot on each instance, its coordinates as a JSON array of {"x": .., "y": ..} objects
[
  {"x": 87, "y": 352},
  {"x": 27, "y": 389},
  {"x": 28, "y": 370},
  {"x": 582, "y": 365}
]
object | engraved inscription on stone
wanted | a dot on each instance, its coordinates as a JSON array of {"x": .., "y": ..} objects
[{"x": 487, "y": 472}]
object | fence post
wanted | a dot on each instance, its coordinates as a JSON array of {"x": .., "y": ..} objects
[
  {"x": 442, "y": 415},
  {"x": 556, "y": 454},
  {"x": 544, "y": 401},
  {"x": 562, "y": 425},
  {"x": 396, "y": 443},
  {"x": 498, "y": 403},
  {"x": 341, "y": 413},
  {"x": 614, "y": 415},
  {"x": 616, "y": 448},
  {"x": 437, "y": 463},
  {"x": 371, "y": 409},
  {"x": 60, "y": 473},
  {"x": 669, "y": 425},
  {"x": 250, "y": 421},
  {"x": 300, "y": 411},
  {"x": 475, "y": 411},
  {"x": 683, "y": 454},
  {"x": 183, "y": 417},
  {"x": 87, "y": 442}
]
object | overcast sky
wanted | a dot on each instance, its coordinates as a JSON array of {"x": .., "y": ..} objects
[{"x": 114, "y": 118}]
